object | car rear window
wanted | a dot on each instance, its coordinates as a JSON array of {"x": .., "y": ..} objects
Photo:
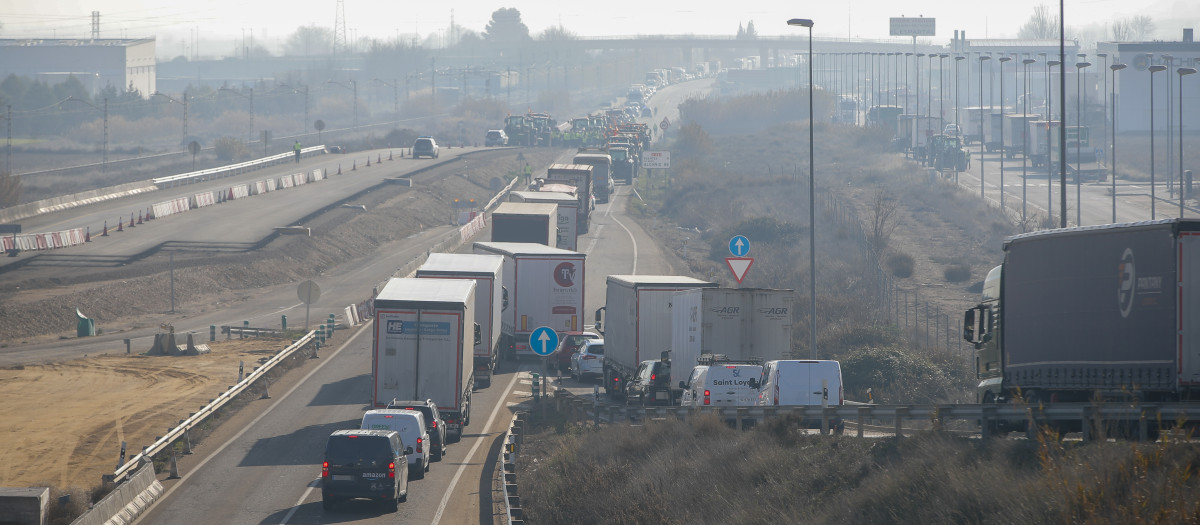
[
  {"x": 596, "y": 349},
  {"x": 358, "y": 450}
]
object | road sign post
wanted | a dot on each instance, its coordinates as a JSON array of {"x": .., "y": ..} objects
[
  {"x": 739, "y": 245},
  {"x": 739, "y": 266},
  {"x": 543, "y": 341}
]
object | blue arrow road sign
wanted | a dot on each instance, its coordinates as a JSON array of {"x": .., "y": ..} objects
[
  {"x": 739, "y": 245},
  {"x": 543, "y": 340}
]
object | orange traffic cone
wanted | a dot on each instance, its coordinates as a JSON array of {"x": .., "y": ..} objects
[
  {"x": 378, "y": 158},
  {"x": 87, "y": 237},
  {"x": 390, "y": 155},
  {"x": 120, "y": 226},
  {"x": 105, "y": 234},
  {"x": 339, "y": 168},
  {"x": 368, "y": 162},
  {"x": 139, "y": 217},
  {"x": 354, "y": 166},
  {"x": 131, "y": 224}
]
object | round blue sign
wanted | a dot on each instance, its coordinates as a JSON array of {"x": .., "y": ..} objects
[
  {"x": 543, "y": 340},
  {"x": 739, "y": 245}
]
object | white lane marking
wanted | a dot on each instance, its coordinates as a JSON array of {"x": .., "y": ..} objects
[
  {"x": 365, "y": 330},
  {"x": 300, "y": 501},
  {"x": 437, "y": 518},
  {"x": 608, "y": 213}
]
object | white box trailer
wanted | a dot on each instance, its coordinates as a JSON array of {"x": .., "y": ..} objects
[
  {"x": 579, "y": 176},
  {"x": 487, "y": 271},
  {"x": 740, "y": 323},
  {"x": 545, "y": 288},
  {"x": 636, "y": 323},
  {"x": 424, "y": 330},
  {"x": 525, "y": 222},
  {"x": 568, "y": 208}
]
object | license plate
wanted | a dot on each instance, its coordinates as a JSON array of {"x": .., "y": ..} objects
[
  {"x": 343, "y": 477},
  {"x": 660, "y": 395}
]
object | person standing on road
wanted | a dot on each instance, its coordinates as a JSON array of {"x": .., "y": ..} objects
[
  {"x": 296, "y": 148},
  {"x": 528, "y": 173}
]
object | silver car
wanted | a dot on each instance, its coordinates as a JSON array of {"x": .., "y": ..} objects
[{"x": 589, "y": 360}]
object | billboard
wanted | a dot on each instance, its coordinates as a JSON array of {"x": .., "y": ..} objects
[{"x": 912, "y": 26}]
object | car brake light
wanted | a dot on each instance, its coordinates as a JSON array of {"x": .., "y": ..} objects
[
  {"x": 325, "y": 469},
  {"x": 387, "y": 417},
  {"x": 435, "y": 423},
  {"x": 706, "y": 400},
  {"x": 588, "y": 357},
  {"x": 419, "y": 445},
  {"x": 653, "y": 377},
  {"x": 616, "y": 379},
  {"x": 392, "y": 470}
]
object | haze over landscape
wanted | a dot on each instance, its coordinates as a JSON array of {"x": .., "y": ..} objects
[{"x": 220, "y": 25}]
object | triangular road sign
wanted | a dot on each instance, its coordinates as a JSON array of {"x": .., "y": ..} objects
[{"x": 739, "y": 266}]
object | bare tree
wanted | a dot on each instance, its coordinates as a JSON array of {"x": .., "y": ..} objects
[
  {"x": 1120, "y": 31},
  {"x": 1039, "y": 26},
  {"x": 1141, "y": 27},
  {"x": 883, "y": 220}
]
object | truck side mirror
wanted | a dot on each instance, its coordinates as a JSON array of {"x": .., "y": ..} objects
[
  {"x": 683, "y": 385},
  {"x": 752, "y": 383},
  {"x": 408, "y": 450},
  {"x": 599, "y": 319},
  {"x": 977, "y": 325},
  {"x": 478, "y": 335}
]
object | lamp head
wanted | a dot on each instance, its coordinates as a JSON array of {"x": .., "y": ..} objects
[
  {"x": 1185, "y": 71},
  {"x": 802, "y": 22},
  {"x": 1156, "y": 68},
  {"x": 1117, "y": 67}
]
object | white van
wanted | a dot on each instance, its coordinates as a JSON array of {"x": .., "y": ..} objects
[
  {"x": 411, "y": 426},
  {"x": 799, "y": 382},
  {"x": 720, "y": 385}
]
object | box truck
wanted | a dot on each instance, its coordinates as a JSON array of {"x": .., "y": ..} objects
[
  {"x": 1096, "y": 312},
  {"x": 579, "y": 176},
  {"x": 636, "y": 324},
  {"x": 742, "y": 324},
  {"x": 602, "y": 176},
  {"x": 487, "y": 271},
  {"x": 545, "y": 288},
  {"x": 567, "y": 233},
  {"x": 423, "y": 334},
  {"x": 525, "y": 222}
]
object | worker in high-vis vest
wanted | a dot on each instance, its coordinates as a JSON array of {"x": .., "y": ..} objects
[
  {"x": 528, "y": 173},
  {"x": 297, "y": 150}
]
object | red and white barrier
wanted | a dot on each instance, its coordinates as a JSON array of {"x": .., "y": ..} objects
[
  {"x": 471, "y": 228},
  {"x": 171, "y": 207},
  {"x": 299, "y": 178},
  {"x": 316, "y": 176},
  {"x": 201, "y": 200},
  {"x": 286, "y": 181},
  {"x": 260, "y": 187},
  {"x": 240, "y": 191}
]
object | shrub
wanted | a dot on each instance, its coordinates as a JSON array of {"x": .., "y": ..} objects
[
  {"x": 900, "y": 264},
  {"x": 957, "y": 273},
  {"x": 894, "y": 374},
  {"x": 229, "y": 149}
]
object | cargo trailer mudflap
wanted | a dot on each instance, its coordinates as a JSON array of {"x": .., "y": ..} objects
[{"x": 1188, "y": 323}]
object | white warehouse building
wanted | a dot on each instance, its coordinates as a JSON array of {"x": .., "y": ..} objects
[{"x": 97, "y": 63}]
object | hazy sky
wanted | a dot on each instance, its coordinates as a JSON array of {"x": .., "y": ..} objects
[{"x": 173, "y": 22}]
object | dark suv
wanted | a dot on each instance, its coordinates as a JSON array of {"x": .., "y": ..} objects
[
  {"x": 651, "y": 384},
  {"x": 433, "y": 423},
  {"x": 362, "y": 464},
  {"x": 425, "y": 147}
]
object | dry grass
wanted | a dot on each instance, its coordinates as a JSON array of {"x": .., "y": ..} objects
[{"x": 705, "y": 472}]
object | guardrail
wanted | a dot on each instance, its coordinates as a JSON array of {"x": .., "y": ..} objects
[
  {"x": 233, "y": 169},
  {"x": 508, "y": 460},
  {"x": 208, "y": 410},
  {"x": 1088, "y": 415}
]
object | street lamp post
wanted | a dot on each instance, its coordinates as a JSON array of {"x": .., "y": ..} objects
[
  {"x": 1104, "y": 93},
  {"x": 8, "y": 142},
  {"x": 395, "y": 84},
  {"x": 185, "y": 108},
  {"x": 1079, "y": 66},
  {"x": 1153, "y": 69},
  {"x": 1050, "y": 140},
  {"x": 982, "y": 170},
  {"x": 1183, "y": 71},
  {"x": 1003, "y": 152},
  {"x": 104, "y": 154},
  {"x": 1114, "y": 68},
  {"x": 941, "y": 92},
  {"x": 812, "y": 204},
  {"x": 1025, "y": 141},
  {"x": 917, "y": 79},
  {"x": 907, "y": 91},
  {"x": 249, "y": 134}
]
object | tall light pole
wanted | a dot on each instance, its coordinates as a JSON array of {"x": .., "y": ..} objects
[
  {"x": 941, "y": 92},
  {"x": 1104, "y": 93},
  {"x": 1003, "y": 152},
  {"x": 957, "y": 85},
  {"x": 1079, "y": 66},
  {"x": 1025, "y": 141},
  {"x": 1050, "y": 138},
  {"x": 917, "y": 78},
  {"x": 907, "y": 91},
  {"x": 812, "y": 201},
  {"x": 1153, "y": 69},
  {"x": 1170, "y": 126},
  {"x": 1183, "y": 71},
  {"x": 8, "y": 141},
  {"x": 104, "y": 157},
  {"x": 185, "y": 108},
  {"x": 982, "y": 196},
  {"x": 395, "y": 84},
  {"x": 249, "y": 134},
  {"x": 1114, "y": 68}
]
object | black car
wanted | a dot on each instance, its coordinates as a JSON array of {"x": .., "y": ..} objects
[
  {"x": 651, "y": 384},
  {"x": 433, "y": 423},
  {"x": 363, "y": 464}
]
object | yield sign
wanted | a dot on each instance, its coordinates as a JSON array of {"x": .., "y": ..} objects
[{"x": 739, "y": 266}]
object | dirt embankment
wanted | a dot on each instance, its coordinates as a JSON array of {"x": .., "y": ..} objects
[{"x": 62, "y": 424}]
